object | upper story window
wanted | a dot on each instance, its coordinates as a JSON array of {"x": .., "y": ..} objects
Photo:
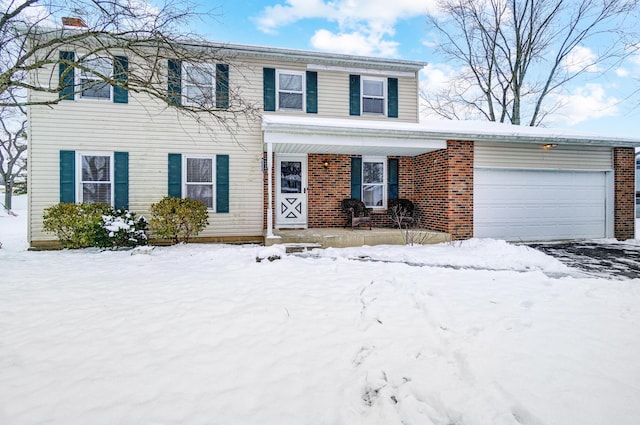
[
  {"x": 198, "y": 179},
  {"x": 373, "y": 95},
  {"x": 91, "y": 85},
  {"x": 373, "y": 182},
  {"x": 199, "y": 84},
  {"x": 290, "y": 86},
  {"x": 95, "y": 182}
]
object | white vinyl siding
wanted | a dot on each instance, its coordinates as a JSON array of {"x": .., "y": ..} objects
[
  {"x": 503, "y": 155},
  {"x": 149, "y": 131}
]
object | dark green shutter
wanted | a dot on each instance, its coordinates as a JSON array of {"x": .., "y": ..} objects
[
  {"x": 175, "y": 175},
  {"x": 392, "y": 178},
  {"x": 121, "y": 75},
  {"x": 312, "y": 92},
  {"x": 121, "y": 180},
  {"x": 392, "y": 92},
  {"x": 269, "y": 76},
  {"x": 356, "y": 178},
  {"x": 174, "y": 82},
  {"x": 222, "y": 183},
  {"x": 222, "y": 86},
  {"x": 65, "y": 75},
  {"x": 354, "y": 95},
  {"x": 67, "y": 176}
]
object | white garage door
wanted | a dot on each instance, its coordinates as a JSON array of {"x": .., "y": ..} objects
[{"x": 539, "y": 204}]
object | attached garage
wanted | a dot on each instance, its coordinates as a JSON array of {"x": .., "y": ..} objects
[{"x": 528, "y": 193}]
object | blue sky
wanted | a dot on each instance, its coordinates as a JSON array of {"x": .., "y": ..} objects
[{"x": 398, "y": 28}]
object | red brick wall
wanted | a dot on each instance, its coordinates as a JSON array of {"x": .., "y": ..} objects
[
  {"x": 444, "y": 189},
  {"x": 624, "y": 183},
  {"x": 327, "y": 188}
]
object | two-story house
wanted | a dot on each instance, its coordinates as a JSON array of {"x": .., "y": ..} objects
[{"x": 331, "y": 127}]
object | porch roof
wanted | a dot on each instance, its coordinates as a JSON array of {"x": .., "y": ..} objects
[
  {"x": 289, "y": 134},
  {"x": 357, "y": 136}
]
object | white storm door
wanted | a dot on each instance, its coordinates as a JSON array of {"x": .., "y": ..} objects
[{"x": 291, "y": 191}]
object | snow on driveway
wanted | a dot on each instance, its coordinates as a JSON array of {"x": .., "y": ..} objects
[{"x": 204, "y": 334}]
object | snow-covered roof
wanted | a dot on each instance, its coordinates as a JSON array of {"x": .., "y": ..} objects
[{"x": 478, "y": 131}]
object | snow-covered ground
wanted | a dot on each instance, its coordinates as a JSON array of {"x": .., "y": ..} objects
[{"x": 472, "y": 333}]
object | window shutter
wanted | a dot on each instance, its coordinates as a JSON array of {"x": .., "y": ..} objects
[
  {"x": 67, "y": 176},
  {"x": 174, "y": 82},
  {"x": 121, "y": 75},
  {"x": 121, "y": 180},
  {"x": 356, "y": 178},
  {"x": 269, "y": 76},
  {"x": 392, "y": 178},
  {"x": 392, "y": 93},
  {"x": 222, "y": 86},
  {"x": 222, "y": 183},
  {"x": 65, "y": 74},
  {"x": 354, "y": 95},
  {"x": 175, "y": 175},
  {"x": 312, "y": 92}
]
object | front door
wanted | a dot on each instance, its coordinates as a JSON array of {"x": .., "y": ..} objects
[{"x": 291, "y": 191}]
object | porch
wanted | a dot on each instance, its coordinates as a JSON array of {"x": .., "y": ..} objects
[{"x": 338, "y": 237}]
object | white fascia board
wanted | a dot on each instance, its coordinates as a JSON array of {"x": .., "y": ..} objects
[
  {"x": 350, "y": 144},
  {"x": 361, "y": 71}
]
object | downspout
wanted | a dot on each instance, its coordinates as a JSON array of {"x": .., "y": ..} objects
[{"x": 270, "y": 190}]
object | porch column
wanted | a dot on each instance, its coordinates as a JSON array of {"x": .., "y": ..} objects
[{"x": 270, "y": 190}]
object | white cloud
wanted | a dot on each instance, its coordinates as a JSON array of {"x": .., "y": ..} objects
[
  {"x": 363, "y": 24},
  {"x": 622, "y": 72},
  {"x": 581, "y": 58},
  {"x": 353, "y": 43},
  {"x": 584, "y": 103}
]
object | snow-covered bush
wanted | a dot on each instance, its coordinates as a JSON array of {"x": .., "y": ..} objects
[
  {"x": 178, "y": 219},
  {"x": 94, "y": 225},
  {"x": 121, "y": 228}
]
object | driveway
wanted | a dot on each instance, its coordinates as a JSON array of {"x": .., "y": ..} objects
[{"x": 602, "y": 259}]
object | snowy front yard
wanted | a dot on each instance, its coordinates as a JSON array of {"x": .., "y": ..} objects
[{"x": 478, "y": 333}]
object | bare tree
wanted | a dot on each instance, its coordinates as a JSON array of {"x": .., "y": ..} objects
[
  {"x": 32, "y": 37},
  {"x": 515, "y": 54},
  {"x": 13, "y": 148}
]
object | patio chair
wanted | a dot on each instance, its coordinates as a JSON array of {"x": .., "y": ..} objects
[
  {"x": 358, "y": 213},
  {"x": 402, "y": 212}
]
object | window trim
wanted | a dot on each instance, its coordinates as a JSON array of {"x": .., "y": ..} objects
[
  {"x": 383, "y": 184},
  {"x": 80, "y": 182},
  {"x": 78, "y": 80},
  {"x": 384, "y": 97},
  {"x": 303, "y": 75},
  {"x": 185, "y": 183},
  {"x": 185, "y": 82}
]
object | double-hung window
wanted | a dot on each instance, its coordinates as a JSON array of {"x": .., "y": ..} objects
[
  {"x": 95, "y": 178},
  {"x": 373, "y": 95},
  {"x": 199, "y": 84},
  {"x": 373, "y": 181},
  {"x": 290, "y": 85},
  {"x": 92, "y": 85},
  {"x": 199, "y": 179}
]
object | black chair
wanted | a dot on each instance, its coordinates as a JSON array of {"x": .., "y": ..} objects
[
  {"x": 358, "y": 213},
  {"x": 402, "y": 212}
]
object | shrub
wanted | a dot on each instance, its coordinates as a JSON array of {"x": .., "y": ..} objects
[
  {"x": 75, "y": 225},
  {"x": 178, "y": 219},
  {"x": 121, "y": 228}
]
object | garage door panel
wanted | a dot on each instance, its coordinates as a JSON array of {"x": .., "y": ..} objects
[{"x": 539, "y": 204}]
